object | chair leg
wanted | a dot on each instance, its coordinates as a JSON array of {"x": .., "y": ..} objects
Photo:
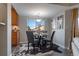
[
  {"x": 28, "y": 47},
  {"x": 34, "y": 49},
  {"x": 51, "y": 46}
]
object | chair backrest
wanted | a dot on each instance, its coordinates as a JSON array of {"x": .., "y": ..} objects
[
  {"x": 52, "y": 36},
  {"x": 30, "y": 36}
]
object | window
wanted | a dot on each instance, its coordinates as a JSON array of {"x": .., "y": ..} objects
[
  {"x": 31, "y": 23},
  {"x": 36, "y": 24}
]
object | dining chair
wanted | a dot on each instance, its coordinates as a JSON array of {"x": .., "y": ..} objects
[
  {"x": 49, "y": 42},
  {"x": 31, "y": 41}
]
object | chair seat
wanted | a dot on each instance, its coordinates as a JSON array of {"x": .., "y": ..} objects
[{"x": 47, "y": 41}]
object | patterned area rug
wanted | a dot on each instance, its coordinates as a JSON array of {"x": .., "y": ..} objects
[{"x": 22, "y": 50}]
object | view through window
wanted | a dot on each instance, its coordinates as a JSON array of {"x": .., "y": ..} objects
[{"x": 36, "y": 24}]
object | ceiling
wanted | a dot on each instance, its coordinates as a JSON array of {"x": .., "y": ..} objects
[
  {"x": 65, "y": 4},
  {"x": 39, "y": 9}
]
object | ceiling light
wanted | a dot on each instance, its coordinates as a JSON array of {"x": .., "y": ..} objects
[
  {"x": 38, "y": 13},
  {"x": 38, "y": 20}
]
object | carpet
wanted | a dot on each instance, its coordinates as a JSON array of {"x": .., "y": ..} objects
[{"x": 22, "y": 50}]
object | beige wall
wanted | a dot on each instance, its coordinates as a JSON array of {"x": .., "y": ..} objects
[
  {"x": 68, "y": 28},
  {"x": 23, "y": 27},
  {"x": 3, "y": 29}
]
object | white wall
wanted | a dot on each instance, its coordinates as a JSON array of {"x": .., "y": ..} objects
[
  {"x": 9, "y": 30},
  {"x": 23, "y": 28},
  {"x": 59, "y": 37}
]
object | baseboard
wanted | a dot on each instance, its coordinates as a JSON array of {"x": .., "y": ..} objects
[
  {"x": 10, "y": 55},
  {"x": 60, "y": 45},
  {"x": 22, "y": 43}
]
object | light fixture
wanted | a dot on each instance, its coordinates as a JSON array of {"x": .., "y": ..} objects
[
  {"x": 15, "y": 28},
  {"x": 40, "y": 13},
  {"x": 38, "y": 20}
]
